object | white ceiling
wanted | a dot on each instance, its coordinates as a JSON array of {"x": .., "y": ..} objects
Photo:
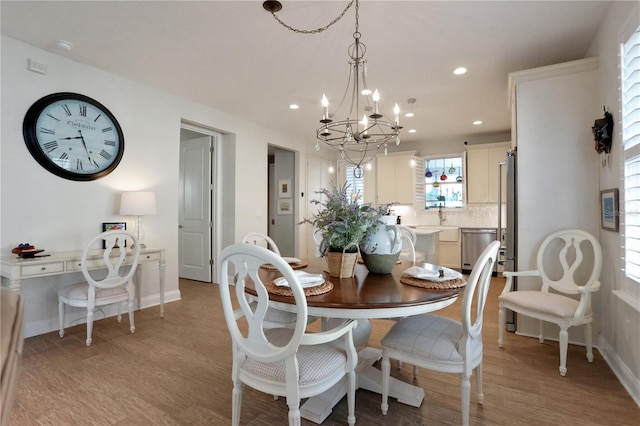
[{"x": 233, "y": 56}]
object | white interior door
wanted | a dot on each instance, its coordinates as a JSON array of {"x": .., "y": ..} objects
[{"x": 194, "y": 230}]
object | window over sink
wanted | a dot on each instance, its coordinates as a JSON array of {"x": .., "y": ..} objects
[{"x": 444, "y": 181}]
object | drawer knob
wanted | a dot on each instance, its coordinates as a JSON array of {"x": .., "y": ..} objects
[{"x": 44, "y": 268}]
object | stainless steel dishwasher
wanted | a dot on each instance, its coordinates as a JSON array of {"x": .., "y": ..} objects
[{"x": 474, "y": 241}]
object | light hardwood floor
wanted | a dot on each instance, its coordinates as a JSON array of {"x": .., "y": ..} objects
[{"x": 176, "y": 371}]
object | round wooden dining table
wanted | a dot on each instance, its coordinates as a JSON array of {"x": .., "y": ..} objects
[{"x": 362, "y": 297}]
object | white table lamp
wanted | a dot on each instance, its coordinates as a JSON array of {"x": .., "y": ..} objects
[{"x": 138, "y": 203}]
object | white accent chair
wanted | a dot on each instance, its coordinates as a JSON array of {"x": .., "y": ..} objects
[
  {"x": 280, "y": 361},
  {"x": 115, "y": 288},
  {"x": 258, "y": 239},
  {"x": 560, "y": 258},
  {"x": 442, "y": 344},
  {"x": 409, "y": 239}
]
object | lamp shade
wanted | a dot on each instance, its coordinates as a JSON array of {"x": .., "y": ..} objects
[{"x": 137, "y": 203}]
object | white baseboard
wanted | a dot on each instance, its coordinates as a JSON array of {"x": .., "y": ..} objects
[
  {"x": 35, "y": 328},
  {"x": 630, "y": 382}
]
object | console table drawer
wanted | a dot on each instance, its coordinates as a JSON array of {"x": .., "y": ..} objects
[
  {"x": 149, "y": 257},
  {"x": 49, "y": 268}
]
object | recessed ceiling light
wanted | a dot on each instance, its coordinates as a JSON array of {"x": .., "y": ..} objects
[
  {"x": 412, "y": 130},
  {"x": 460, "y": 71},
  {"x": 477, "y": 122},
  {"x": 294, "y": 106},
  {"x": 409, "y": 114},
  {"x": 365, "y": 92}
]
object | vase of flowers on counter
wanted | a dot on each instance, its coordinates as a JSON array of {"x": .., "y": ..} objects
[{"x": 343, "y": 224}]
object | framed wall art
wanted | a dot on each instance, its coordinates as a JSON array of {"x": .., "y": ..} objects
[
  {"x": 284, "y": 188},
  {"x": 113, "y": 226},
  {"x": 609, "y": 210},
  {"x": 285, "y": 206}
]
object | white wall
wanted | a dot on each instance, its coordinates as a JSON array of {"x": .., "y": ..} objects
[
  {"x": 619, "y": 322},
  {"x": 57, "y": 214}
]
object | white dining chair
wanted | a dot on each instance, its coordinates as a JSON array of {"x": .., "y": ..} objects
[
  {"x": 560, "y": 256},
  {"x": 409, "y": 239},
  {"x": 258, "y": 239},
  {"x": 115, "y": 288},
  {"x": 280, "y": 361},
  {"x": 442, "y": 344}
]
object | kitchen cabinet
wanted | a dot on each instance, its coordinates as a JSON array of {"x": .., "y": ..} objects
[
  {"x": 483, "y": 174},
  {"x": 395, "y": 178}
]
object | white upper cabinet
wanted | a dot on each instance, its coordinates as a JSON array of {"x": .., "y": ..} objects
[
  {"x": 395, "y": 178},
  {"x": 483, "y": 173}
]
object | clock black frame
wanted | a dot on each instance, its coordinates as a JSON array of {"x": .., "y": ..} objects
[{"x": 31, "y": 139}]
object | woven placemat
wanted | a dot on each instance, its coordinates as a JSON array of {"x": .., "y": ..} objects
[
  {"x": 439, "y": 285},
  {"x": 270, "y": 267},
  {"x": 325, "y": 287}
]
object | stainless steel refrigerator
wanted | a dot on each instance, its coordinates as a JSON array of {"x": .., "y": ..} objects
[{"x": 508, "y": 226}]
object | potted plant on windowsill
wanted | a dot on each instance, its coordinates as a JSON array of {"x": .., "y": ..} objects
[{"x": 343, "y": 224}]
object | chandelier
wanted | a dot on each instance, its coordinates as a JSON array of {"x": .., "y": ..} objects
[{"x": 360, "y": 130}]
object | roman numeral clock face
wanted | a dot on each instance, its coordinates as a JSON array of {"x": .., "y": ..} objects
[{"x": 73, "y": 136}]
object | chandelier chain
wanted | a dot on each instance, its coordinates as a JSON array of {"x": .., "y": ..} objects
[{"x": 317, "y": 30}]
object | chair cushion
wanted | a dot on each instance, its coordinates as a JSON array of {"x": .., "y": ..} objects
[
  {"x": 315, "y": 362},
  {"x": 81, "y": 292},
  {"x": 428, "y": 336},
  {"x": 278, "y": 316},
  {"x": 542, "y": 302}
]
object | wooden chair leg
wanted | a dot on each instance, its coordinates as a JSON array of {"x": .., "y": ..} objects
[
  {"x": 564, "y": 342},
  {"x": 588, "y": 341},
  {"x": 385, "y": 365},
  {"x": 89, "y": 326},
  {"x": 502, "y": 323},
  {"x": 61, "y": 317},
  {"x": 465, "y": 394}
]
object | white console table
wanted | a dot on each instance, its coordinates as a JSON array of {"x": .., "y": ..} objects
[{"x": 56, "y": 263}]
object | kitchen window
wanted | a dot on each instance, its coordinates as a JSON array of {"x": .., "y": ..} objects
[{"x": 444, "y": 181}]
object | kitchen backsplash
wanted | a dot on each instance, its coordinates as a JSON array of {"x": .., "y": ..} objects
[{"x": 475, "y": 216}]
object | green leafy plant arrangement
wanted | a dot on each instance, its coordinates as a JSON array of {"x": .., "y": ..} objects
[{"x": 343, "y": 223}]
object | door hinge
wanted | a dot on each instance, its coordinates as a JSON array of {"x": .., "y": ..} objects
[
  {"x": 211, "y": 262},
  {"x": 210, "y": 224}
]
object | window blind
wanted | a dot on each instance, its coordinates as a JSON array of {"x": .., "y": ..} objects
[
  {"x": 356, "y": 185},
  {"x": 630, "y": 60}
]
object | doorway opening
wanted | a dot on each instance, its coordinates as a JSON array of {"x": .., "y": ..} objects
[
  {"x": 282, "y": 199},
  {"x": 196, "y": 207}
]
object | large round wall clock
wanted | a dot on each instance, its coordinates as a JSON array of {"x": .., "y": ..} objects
[{"x": 73, "y": 136}]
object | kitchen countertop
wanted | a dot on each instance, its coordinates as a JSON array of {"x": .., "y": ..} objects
[{"x": 426, "y": 231}]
